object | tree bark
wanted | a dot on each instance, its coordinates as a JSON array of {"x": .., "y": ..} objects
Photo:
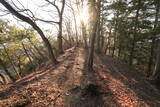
[
  {"x": 60, "y": 41},
  {"x": 93, "y": 26},
  {"x": 34, "y": 25}
]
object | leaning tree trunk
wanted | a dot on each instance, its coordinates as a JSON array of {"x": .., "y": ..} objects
[
  {"x": 25, "y": 50},
  {"x": 36, "y": 48},
  {"x": 34, "y": 25},
  {"x": 33, "y": 55},
  {"x": 11, "y": 61},
  {"x": 3, "y": 79},
  {"x": 93, "y": 26},
  {"x": 5, "y": 69},
  {"x": 19, "y": 65}
]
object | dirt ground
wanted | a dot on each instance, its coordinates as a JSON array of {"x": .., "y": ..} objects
[{"x": 60, "y": 85}]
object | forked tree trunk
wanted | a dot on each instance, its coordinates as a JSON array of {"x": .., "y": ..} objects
[
  {"x": 19, "y": 65},
  {"x": 34, "y": 25},
  {"x": 60, "y": 40}
]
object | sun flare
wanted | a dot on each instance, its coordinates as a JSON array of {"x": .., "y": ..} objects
[{"x": 83, "y": 16}]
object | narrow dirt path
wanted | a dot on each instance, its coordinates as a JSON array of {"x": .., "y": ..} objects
[
  {"x": 120, "y": 86},
  {"x": 48, "y": 86},
  {"x": 42, "y": 88}
]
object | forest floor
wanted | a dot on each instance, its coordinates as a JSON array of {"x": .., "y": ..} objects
[{"x": 60, "y": 85}]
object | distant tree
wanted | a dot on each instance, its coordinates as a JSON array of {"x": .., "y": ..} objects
[
  {"x": 60, "y": 22},
  {"x": 2, "y": 64}
]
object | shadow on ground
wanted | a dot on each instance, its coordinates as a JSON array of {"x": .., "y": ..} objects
[{"x": 126, "y": 83}]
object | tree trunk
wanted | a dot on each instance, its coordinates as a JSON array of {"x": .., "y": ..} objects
[
  {"x": 93, "y": 26},
  {"x": 11, "y": 61},
  {"x": 33, "y": 55},
  {"x": 157, "y": 5},
  {"x": 25, "y": 50},
  {"x": 101, "y": 27},
  {"x": 19, "y": 65},
  {"x": 84, "y": 35},
  {"x": 135, "y": 33},
  {"x": 36, "y": 48},
  {"x": 3, "y": 79},
  {"x": 33, "y": 24},
  {"x": 114, "y": 46},
  {"x": 75, "y": 24},
  {"x": 119, "y": 50},
  {"x": 156, "y": 73},
  {"x": 60, "y": 41},
  {"x": 108, "y": 42},
  {"x": 5, "y": 69},
  {"x": 98, "y": 50}
]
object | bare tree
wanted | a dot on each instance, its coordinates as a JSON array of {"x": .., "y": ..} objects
[
  {"x": 34, "y": 25},
  {"x": 60, "y": 14},
  {"x": 70, "y": 5}
]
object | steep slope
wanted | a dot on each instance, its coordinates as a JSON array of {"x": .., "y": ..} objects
[{"x": 62, "y": 85}]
